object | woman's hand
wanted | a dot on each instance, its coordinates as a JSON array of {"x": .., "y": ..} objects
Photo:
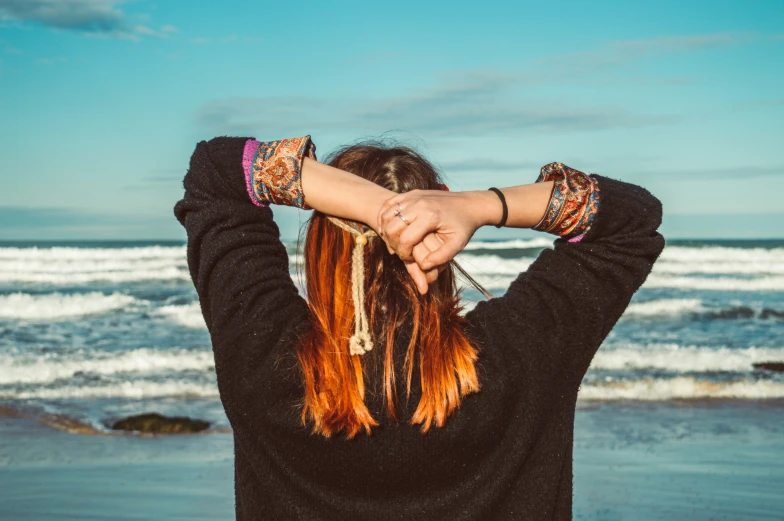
[
  {"x": 423, "y": 278},
  {"x": 451, "y": 218}
]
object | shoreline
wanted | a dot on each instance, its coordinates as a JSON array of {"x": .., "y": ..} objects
[
  {"x": 65, "y": 423},
  {"x": 645, "y": 460}
]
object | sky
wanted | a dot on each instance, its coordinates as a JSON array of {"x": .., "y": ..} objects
[{"x": 103, "y": 101}]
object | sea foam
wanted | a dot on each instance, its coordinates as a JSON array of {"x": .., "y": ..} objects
[
  {"x": 681, "y": 387},
  {"x": 664, "y": 307},
  {"x": 30, "y": 368},
  {"x": 188, "y": 315},
  {"x": 55, "y": 306},
  {"x": 682, "y": 359},
  {"x": 137, "y": 390}
]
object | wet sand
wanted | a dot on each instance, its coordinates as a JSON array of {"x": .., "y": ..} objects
[
  {"x": 710, "y": 460},
  {"x": 718, "y": 460}
]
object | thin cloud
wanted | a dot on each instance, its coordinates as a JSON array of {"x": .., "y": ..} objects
[
  {"x": 23, "y": 217},
  {"x": 733, "y": 172},
  {"x": 82, "y": 15},
  {"x": 95, "y": 18},
  {"x": 24, "y": 223},
  {"x": 620, "y": 52},
  {"x": 51, "y": 61},
  {"x": 161, "y": 175},
  {"x": 474, "y": 103},
  {"x": 489, "y": 165},
  {"x": 769, "y": 102},
  {"x": 148, "y": 31},
  {"x": 372, "y": 58},
  {"x": 226, "y": 39}
]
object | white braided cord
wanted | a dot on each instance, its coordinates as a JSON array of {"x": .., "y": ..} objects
[{"x": 361, "y": 341}]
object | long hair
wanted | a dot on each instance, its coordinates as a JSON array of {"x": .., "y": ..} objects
[{"x": 334, "y": 380}]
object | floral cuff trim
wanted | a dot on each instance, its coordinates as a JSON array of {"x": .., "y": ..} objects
[
  {"x": 574, "y": 202},
  {"x": 273, "y": 170}
]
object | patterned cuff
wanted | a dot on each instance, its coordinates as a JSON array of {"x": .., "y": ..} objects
[
  {"x": 573, "y": 204},
  {"x": 273, "y": 170}
]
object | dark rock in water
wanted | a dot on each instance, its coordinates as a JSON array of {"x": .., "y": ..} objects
[
  {"x": 771, "y": 313},
  {"x": 770, "y": 366},
  {"x": 155, "y": 423},
  {"x": 737, "y": 312}
]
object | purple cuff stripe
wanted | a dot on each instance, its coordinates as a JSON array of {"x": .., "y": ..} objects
[{"x": 251, "y": 146}]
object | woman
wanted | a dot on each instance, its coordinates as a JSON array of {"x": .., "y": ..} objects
[{"x": 400, "y": 407}]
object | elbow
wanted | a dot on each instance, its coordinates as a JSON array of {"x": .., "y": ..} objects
[
  {"x": 650, "y": 209},
  {"x": 198, "y": 165},
  {"x": 656, "y": 212}
]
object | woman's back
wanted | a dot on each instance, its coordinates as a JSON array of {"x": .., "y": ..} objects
[{"x": 505, "y": 454}]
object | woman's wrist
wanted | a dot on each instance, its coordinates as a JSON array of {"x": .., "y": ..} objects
[
  {"x": 342, "y": 194},
  {"x": 484, "y": 207},
  {"x": 370, "y": 202},
  {"x": 526, "y": 204}
]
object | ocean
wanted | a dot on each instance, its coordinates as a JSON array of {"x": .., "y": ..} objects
[{"x": 96, "y": 331}]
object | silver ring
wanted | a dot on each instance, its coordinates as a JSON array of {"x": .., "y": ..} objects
[{"x": 404, "y": 219}]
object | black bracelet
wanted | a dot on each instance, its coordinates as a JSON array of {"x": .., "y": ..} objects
[{"x": 503, "y": 203}]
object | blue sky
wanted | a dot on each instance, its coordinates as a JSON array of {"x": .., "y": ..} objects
[{"x": 103, "y": 101}]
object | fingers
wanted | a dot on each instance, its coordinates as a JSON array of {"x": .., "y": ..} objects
[
  {"x": 410, "y": 237},
  {"x": 392, "y": 229},
  {"x": 420, "y": 279},
  {"x": 442, "y": 255},
  {"x": 421, "y": 251},
  {"x": 385, "y": 211},
  {"x": 396, "y": 202},
  {"x": 414, "y": 242},
  {"x": 393, "y": 201},
  {"x": 391, "y": 226}
]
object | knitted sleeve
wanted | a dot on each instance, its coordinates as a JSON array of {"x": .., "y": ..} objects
[
  {"x": 555, "y": 315},
  {"x": 240, "y": 269}
]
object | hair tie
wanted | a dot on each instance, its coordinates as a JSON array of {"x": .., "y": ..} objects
[
  {"x": 505, "y": 211},
  {"x": 361, "y": 341}
]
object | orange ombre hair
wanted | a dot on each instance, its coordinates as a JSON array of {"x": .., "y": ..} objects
[{"x": 334, "y": 380}]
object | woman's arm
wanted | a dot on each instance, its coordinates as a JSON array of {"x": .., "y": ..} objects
[
  {"x": 240, "y": 269},
  {"x": 454, "y": 217},
  {"x": 562, "y": 201},
  {"x": 335, "y": 192},
  {"x": 561, "y": 308}
]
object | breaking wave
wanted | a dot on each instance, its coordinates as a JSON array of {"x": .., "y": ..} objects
[
  {"x": 683, "y": 359},
  {"x": 188, "y": 315},
  {"x": 680, "y": 388},
  {"x": 54, "y": 306},
  {"x": 138, "y": 390},
  {"x": 43, "y": 368}
]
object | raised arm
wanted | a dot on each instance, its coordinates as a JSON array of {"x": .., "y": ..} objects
[
  {"x": 573, "y": 294},
  {"x": 335, "y": 192},
  {"x": 238, "y": 264},
  {"x": 240, "y": 267}
]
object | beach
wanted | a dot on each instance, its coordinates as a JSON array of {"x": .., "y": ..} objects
[
  {"x": 632, "y": 461},
  {"x": 679, "y": 415}
]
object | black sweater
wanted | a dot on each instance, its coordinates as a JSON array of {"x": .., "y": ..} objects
[{"x": 505, "y": 454}]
